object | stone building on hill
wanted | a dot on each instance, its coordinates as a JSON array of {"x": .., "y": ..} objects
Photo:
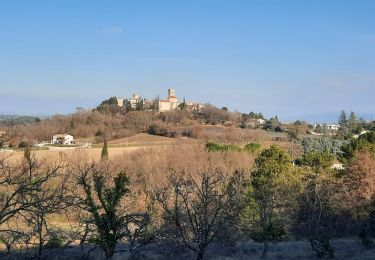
[
  {"x": 170, "y": 103},
  {"x": 136, "y": 102}
]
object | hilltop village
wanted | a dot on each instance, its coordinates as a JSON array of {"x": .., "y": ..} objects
[{"x": 136, "y": 102}]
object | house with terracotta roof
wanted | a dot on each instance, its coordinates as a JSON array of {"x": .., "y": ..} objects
[{"x": 170, "y": 103}]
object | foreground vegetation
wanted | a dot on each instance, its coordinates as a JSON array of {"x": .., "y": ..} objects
[{"x": 193, "y": 197}]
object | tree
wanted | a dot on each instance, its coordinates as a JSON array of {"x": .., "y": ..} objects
[
  {"x": 183, "y": 105},
  {"x": 318, "y": 129},
  {"x": 343, "y": 131},
  {"x": 317, "y": 160},
  {"x": 317, "y": 209},
  {"x": 198, "y": 208},
  {"x": 109, "y": 106},
  {"x": 49, "y": 199},
  {"x": 363, "y": 142},
  {"x": 342, "y": 119},
  {"x": 273, "y": 124},
  {"x": 6, "y": 135},
  {"x": 352, "y": 122},
  {"x": 359, "y": 191},
  {"x": 324, "y": 144},
  {"x": 104, "y": 204},
  {"x": 293, "y": 136},
  {"x": 140, "y": 105},
  {"x": 128, "y": 107},
  {"x": 271, "y": 164},
  {"x": 104, "y": 154},
  {"x": 21, "y": 185}
]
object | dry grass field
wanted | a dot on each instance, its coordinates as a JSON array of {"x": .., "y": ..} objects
[
  {"x": 133, "y": 143},
  {"x": 144, "y": 140},
  {"x": 89, "y": 154}
]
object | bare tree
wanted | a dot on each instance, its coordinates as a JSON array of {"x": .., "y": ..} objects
[
  {"x": 49, "y": 199},
  {"x": 6, "y": 134},
  {"x": 21, "y": 184},
  {"x": 197, "y": 208},
  {"x": 315, "y": 212}
]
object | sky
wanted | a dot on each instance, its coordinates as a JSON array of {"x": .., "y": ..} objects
[{"x": 295, "y": 59}]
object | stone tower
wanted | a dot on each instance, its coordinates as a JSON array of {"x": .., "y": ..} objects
[{"x": 171, "y": 92}]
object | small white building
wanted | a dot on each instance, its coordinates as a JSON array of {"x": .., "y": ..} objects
[
  {"x": 333, "y": 127},
  {"x": 62, "y": 139},
  {"x": 329, "y": 127},
  {"x": 362, "y": 133}
]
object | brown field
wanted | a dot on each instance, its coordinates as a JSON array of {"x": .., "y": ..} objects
[
  {"x": 116, "y": 148},
  {"x": 133, "y": 143},
  {"x": 90, "y": 154},
  {"x": 143, "y": 140}
]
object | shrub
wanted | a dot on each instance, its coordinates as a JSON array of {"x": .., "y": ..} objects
[
  {"x": 252, "y": 147},
  {"x": 54, "y": 242},
  {"x": 214, "y": 147},
  {"x": 23, "y": 144}
]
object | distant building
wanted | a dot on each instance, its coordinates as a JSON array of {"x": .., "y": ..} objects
[
  {"x": 362, "y": 133},
  {"x": 62, "y": 139},
  {"x": 170, "y": 103},
  {"x": 120, "y": 102},
  {"x": 338, "y": 166},
  {"x": 331, "y": 127},
  {"x": 252, "y": 123},
  {"x": 133, "y": 101},
  {"x": 136, "y": 102}
]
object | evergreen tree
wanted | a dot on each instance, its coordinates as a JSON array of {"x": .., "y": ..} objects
[
  {"x": 182, "y": 106},
  {"x": 343, "y": 132},
  {"x": 342, "y": 119},
  {"x": 128, "y": 107},
  {"x": 104, "y": 155},
  {"x": 352, "y": 122},
  {"x": 140, "y": 105},
  {"x": 266, "y": 189},
  {"x": 318, "y": 129},
  {"x": 27, "y": 153}
]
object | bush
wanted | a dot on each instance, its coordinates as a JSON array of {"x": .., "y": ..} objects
[
  {"x": 252, "y": 147},
  {"x": 54, "y": 242},
  {"x": 321, "y": 245},
  {"x": 214, "y": 147},
  {"x": 23, "y": 144}
]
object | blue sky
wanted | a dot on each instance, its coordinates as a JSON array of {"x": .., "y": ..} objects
[{"x": 290, "y": 58}]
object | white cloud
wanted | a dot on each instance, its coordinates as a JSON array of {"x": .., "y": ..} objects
[{"x": 112, "y": 30}]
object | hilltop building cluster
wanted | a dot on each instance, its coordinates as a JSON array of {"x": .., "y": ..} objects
[{"x": 136, "y": 102}]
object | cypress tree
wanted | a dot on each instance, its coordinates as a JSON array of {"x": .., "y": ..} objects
[
  {"x": 104, "y": 155},
  {"x": 342, "y": 119},
  {"x": 352, "y": 122},
  {"x": 27, "y": 153}
]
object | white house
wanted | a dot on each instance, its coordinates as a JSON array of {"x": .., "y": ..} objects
[
  {"x": 62, "y": 139},
  {"x": 362, "y": 133}
]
